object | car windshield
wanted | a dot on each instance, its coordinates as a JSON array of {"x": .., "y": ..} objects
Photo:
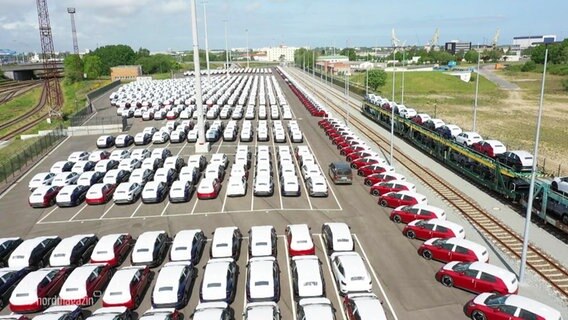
[
  {"x": 495, "y": 300},
  {"x": 439, "y": 242},
  {"x": 461, "y": 267}
]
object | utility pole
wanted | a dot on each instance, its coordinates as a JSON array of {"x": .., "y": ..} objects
[
  {"x": 247, "y": 31},
  {"x": 72, "y": 12},
  {"x": 313, "y": 63},
  {"x": 476, "y": 92},
  {"x": 201, "y": 146},
  {"x": 226, "y": 49},
  {"x": 403, "y": 69},
  {"x": 206, "y": 42}
]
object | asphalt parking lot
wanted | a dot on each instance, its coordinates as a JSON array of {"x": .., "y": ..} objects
[{"x": 404, "y": 281}]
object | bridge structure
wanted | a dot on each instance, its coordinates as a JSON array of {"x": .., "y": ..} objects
[{"x": 28, "y": 71}]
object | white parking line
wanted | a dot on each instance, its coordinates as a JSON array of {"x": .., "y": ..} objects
[
  {"x": 195, "y": 204},
  {"x": 274, "y": 151},
  {"x": 375, "y": 277},
  {"x": 136, "y": 210},
  {"x": 336, "y": 290},
  {"x": 33, "y": 168},
  {"x": 329, "y": 185},
  {"x": 106, "y": 211},
  {"x": 293, "y": 303},
  {"x": 78, "y": 211},
  {"x": 47, "y": 215}
]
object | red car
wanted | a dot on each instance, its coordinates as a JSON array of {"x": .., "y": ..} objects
[
  {"x": 453, "y": 249},
  {"x": 401, "y": 198},
  {"x": 332, "y": 133},
  {"x": 420, "y": 118},
  {"x": 300, "y": 241},
  {"x": 374, "y": 168},
  {"x": 208, "y": 189},
  {"x": 478, "y": 277},
  {"x": 491, "y": 306},
  {"x": 112, "y": 249},
  {"x": 352, "y": 149},
  {"x": 347, "y": 143},
  {"x": 337, "y": 139},
  {"x": 100, "y": 193},
  {"x": 323, "y": 122},
  {"x": 406, "y": 214},
  {"x": 83, "y": 283},
  {"x": 43, "y": 197},
  {"x": 365, "y": 162},
  {"x": 380, "y": 177},
  {"x": 490, "y": 148},
  {"x": 433, "y": 228},
  {"x": 391, "y": 186},
  {"x": 127, "y": 286},
  {"x": 363, "y": 153},
  {"x": 37, "y": 289}
]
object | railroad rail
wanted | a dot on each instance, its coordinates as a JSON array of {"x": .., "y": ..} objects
[
  {"x": 492, "y": 228},
  {"x": 34, "y": 111},
  {"x": 11, "y": 89}
]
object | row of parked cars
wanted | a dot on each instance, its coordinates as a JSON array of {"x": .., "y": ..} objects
[
  {"x": 467, "y": 264},
  {"x": 519, "y": 160},
  {"x": 74, "y": 271}
]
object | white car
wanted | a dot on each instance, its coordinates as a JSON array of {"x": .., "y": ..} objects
[
  {"x": 123, "y": 140},
  {"x": 296, "y": 136},
  {"x": 64, "y": 179},
  {"x": 468, "y": 138},
  {"x": 317, "y": 186},
  {"x": 310, "y": 170},
  {"x": 105, "y": 141},
  {"x": 41, "y": 179},
  {"x": 129, "y": 164},
  {"x": 290, "y": 186},
  {"x": 365, "y": 306},
  {"x": 263, "y": 185},
  {"x": 75, "y": 289},
  {"x": 262, "y": 134},
  {"x": 28, "y": 295},
  {"x": 192, "y": 135},
  {"x": 111, "y": 249},
  {"x": 219, "y": 281},
  {"x": 262, "y": 311},
  {"x": 71, "y": 195},
  {"x": 337, "y": 237},
  {"x": 154, "y": 192},
  {"x": 78, "y": 156},
  {"x": 262, "y": 241},
  {"x": 43, "y": 197},
  {"x": 119, "y": 290},
  {"x": 127, "y": 192},
  {"x": 141, "y": 176},
  {"x": 180, "y": 191},
  {"x": 219, "y": 158},
  {"x": 307, "y": 277},
  {"x": 226, "y": 242},
  {"x": 408, "y": 113},
  {"x": 237, "y": 186},
  {"x": 263, "y": 279},
  {"x": 110, "y": 313},
  {"x": 72, "y": 251},
  {"x": 315, "y": 309},
  {"x": 279, "y": 136},
  {"x": 188, "y": 246},
  {"x": 62, "y": 166},
  {"x": 119, "y": 155},
  {"x": 140, "y": 154},
  {"x": 59, "y": 312},
  {"x": 116, "y": 176},
  {"x": 150, "y": 248},
  {"x": 560, "y": 184},
  {"x": 246, "y": 135},
  {"x": 21, "y": 257},
  {"x": 173, "y": 285},
  {"x": 106, "y": 165},
  {"x": 98, "y": 155},
  {"x": 83, "y": 166},
  {"x": 190, "y": 174},
  {"x": 142, "y": 138},
  {"x": 350, "y": 272},
  {"x": 160, "y": 137}
]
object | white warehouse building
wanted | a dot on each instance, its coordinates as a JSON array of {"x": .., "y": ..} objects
[
  {"x": 529, "y": 41},
  {"x": 274, "y": 53}
]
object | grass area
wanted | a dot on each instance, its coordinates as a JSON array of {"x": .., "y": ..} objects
[
  {"x": 161, "y": 76},
  {"x": 530, "y": 83},
  {"x": 19, "y": 105},
  {"x": 14, "y": 147},
  {"x": 75, "y": 94}
]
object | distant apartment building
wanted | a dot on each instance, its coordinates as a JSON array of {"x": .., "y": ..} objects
[
  {"x": 454, "y": 47},
  {"x": 332, "y": 59},
  {"x": 125, "y": 72},
  {"x": 280, "y": 53},
  {"x": 530, "y": 41}
]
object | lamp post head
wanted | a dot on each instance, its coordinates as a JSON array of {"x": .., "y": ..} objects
[{"x": 71, "y": 10}]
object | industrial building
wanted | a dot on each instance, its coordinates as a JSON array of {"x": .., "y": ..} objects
[
  {"x": 125, "y": 72},
  {"x": 530, "y": 41},
  {"x": 454, "y": 47},
  {"x": 280, "y": 53}
]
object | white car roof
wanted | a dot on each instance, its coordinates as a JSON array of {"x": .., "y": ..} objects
[
  {"x": 214, "y": 279},
  {"x": 262, "y": 237},
  {"x": 55, "y": 312},
  {"x": 157, "y": 314},
  {"x": 181, "y": 246},
  {"x": 509, "y": 278},
  {"x": 167, "y": 283},
  {"x": 353, "y": 264},
  {"x": 309, "y": 278},
  {"x": 26, "y": 290},
  {"x": 209, "y": 310},
  {"x": 342, "y": 239},
  {"x": 61, "y": 255},
  {"x": 533, "y": 306},
  {"x": 118, "y": 289},
  {"x": 479, "y": 250},
  {"x": 260, "y": 310},
  {"x": 456, "y": 228},
  {"x": 369, "y": 306},
  {"x": 317, "y": 308},
  {"x": 104, "y": 249},
  {"x": 107, "y": 313},
  {"x": 75, "y": 286},
  {"x": 21, "y": 255},
  {"x": 301, "y": 237},
  {"x": 222, "y": 245},
  {"x": 261, "y": 277},
  {"x": 144, "y": 246}
]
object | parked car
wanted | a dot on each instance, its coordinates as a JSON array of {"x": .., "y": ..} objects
[
  {"x": 154, "y": 192},
  {"x": 41, "y": 179},
  {"x": 73, "y": 251},
  {"x": 490, "y": 148},
  {"x": 188, "y": 246},
  {"x": 453, "y": 249},
  {"x": 401, "y": 198},
  {"x": 364, "y": 306},
  {"x": 127, "y": 286},
  {"x": 449, "y": 131},
  {"x": 350, "y": 272},
  {"x": 468, "y": 138},
  {"x": 105, "y": 141},
  {"x": 43, "y": 197},
  {"x": 84, "y": 283},
  {"x": 142, "y": 138},
  {"x": 150, "y": 248},
  {"x": 518, "y": 160},
  {"x": 433, "y": 228},
  {"x": 262, "y": 241},
  {"x": 173, "y": 285},
  {"x": 127, "y": 192},
  {"x": 299, "y": 240},
  {"x": 181, "y": 191},
  {"x": 10, "y": 279},
  {"x": 307, "y": 277},
  {"x": 263, "y": 279},
  {"x": 226, "y": 243},
  {"x": 337, "y": 237},
  {"x": 123, "y": 140},
  {"x": 83, "y": 166},
  {"x": 7, "y": 246},
  {"x": 560, "y": 184},
  {"x": 213, "y": 310},
  {"x": 37, "y": 289},
  {"x": 33, "y": 253},
  {"x": 262, "y": 310},
  {"x": 208, "y": 188},
  {"x": 112, "y": 249},
  {"x": 65, "y": 179},
  {"x": 219, "y": 281},
  {"x": 406, "y": 214},
  {"x": 478, "y": 277},
  {"x": 100, "y": 193},
  {"x": 315, "y": 309},
  {"x": 492, "y": 306},
  {"x": 71, "y": 196}
]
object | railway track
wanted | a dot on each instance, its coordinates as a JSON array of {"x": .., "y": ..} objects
[
  {"x": 11, "y": 123},
  {"x": 492, "y": 228},
  {"x": 12, "y": 89}
]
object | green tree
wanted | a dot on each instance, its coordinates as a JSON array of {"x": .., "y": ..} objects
[
  {"x": 377, "y": 78},
  {"x": 471, "y": 56},
  {"x": 142, "y": 52},
  {"x": 304, "y": 56},
  {"x": 73, "y": 68},
  {"x": 157, "y": 63},
  {"x": 350, "y": 53},
  {"x": 528, "y": 66},
  {"x": 93, "y": 66},
  {"x": 115, "y": 55}
]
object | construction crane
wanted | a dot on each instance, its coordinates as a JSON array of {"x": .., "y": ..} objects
[
  {"x": 496, "y": 38},
  {"x": 51, "y": 86},
  {"x": 396, "y": 43},
  {"x": 433, "y": 44},
  {"x": 72, "y": 12}
]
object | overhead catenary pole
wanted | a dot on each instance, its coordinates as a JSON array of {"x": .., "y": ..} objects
[
  {"x": 199, "y": 94},
  {"x": 392, "y": 113},
  {"x": 206, "y": 42},
  {"x": 247, "y": 31},
  {"x": 226, "y": 49},
  {"x": 366, "y": 81},
  {"x": 403, "y": 69},
  {"x": 313, "y": 63},
  {"x": 533, "y": 175},
  {"x": 474, "y": 126}
]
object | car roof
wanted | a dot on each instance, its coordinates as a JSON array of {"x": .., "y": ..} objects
[
  {"x": 261, "y": 270},
  {"x": 533, "y": 306},
  {"x": 28, "y": 245},
  {"x": 428, "y": 207},
  {"x": 32, "y": 279},
  {"x": 121, "y": 280},
  {"x": 215, "y": 271},
  {"x": 494, "y": 270},
  {"x": 67, "y": 244},
  {"x": 170, "y": 274},
  {"x": 148, "y": 238},
  {"x": 341, "y": 235},
  {"x": 317, "y": 308},
  {"x": 369, "y": 306},
  {"x": 445, "y": 223},
  {"x": 352, "y": 263},
  {"x": 260, "y": 310},
  {"x": 108, "y": 240},
  {"x": 77, "y": 281}
]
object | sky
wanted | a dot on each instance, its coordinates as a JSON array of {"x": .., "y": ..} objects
[{"x": 162, "y": 25}]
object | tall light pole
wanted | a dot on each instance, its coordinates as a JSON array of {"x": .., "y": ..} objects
[
  {"x": 71, "y": 12},
  {"x": 476, "y": 92},
  {"x": 347, "y": 96},
  {"x": 366, "y": 82},
  {"x": 313, "y": 63},
  {"x": 206, "y": 42},
  {"x": 392, "y": 112},
  {"x": 226, "y": 49},
  {"x": 403, "y": 69},
  {"x": 201, "y": 146},
  {"x": 247, "y": 31},
  {"x": 533, "y": 175}
]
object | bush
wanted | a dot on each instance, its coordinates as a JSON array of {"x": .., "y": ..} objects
[
  {"x": 565, "y": 84},
  {"x": 528, "y": 66},
  {"x": 558, "y": 69}
]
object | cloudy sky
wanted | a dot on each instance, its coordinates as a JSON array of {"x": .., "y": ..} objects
[{"x": 160, "y": 25}]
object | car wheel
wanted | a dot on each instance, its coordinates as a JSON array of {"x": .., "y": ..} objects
[
  {"x": 447, "y": 281},
  {"x": 554, "y": 186},
  {"x": 427, "y": 254},
  {"x": 137, "y": 302},
  {"x": 478, "y": 315},
  {"x": 410, "y": 234},
  {"x": 383, "y": 203},
  {"x": 359, "y": 173},
  {"x": 353, "y": 166},
  {"x": 397, "y": 218},
  {"x": 368, "y": 183},
  {"x": 375, "y": 192}
]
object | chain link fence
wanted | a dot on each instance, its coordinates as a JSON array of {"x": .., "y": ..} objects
[{"x": 14, "y": 165}]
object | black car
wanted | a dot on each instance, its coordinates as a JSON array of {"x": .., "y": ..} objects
[
  {"x": 7, "y": 245},
  {"x": 94, "y": 177},
  {"x": 73, "y": 251},
  {"x": 146, "y": 139},
  {"x": 34, "y": 253},
  {"x": 519, "y": 160},
  {"x": 77, "y": 196},
  {"x": 126, "y": 142},
  {"x": 161, "y": 192},
  {"x": 197, "y": 245},
  {"x": 157, "y": 243},
  {"x": 9, "y": 278}
]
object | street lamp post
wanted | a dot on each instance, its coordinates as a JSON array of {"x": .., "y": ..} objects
[
  {"x": 226, "y": 49},
  {"x": 201, "y": 145},
  {"x": 313, "y": 63},
  {"x": 476, "y": 92},
  {"x": 367, "y": 82},
  {"x": 392, "y": 114},
  {"x": 247, "y": 31},
  {"x": 403, "y": 71},
  {"x": 533, "y": 175},
  {"x": 206, "y": 42}
]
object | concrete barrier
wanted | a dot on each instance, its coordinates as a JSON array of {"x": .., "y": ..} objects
[{"x": 94, "y": 130}]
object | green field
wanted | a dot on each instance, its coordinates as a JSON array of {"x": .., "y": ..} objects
[{"x": 19, "y": 105}]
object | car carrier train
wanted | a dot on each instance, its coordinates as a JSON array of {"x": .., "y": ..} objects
[{"x": 511, "y": 181}]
